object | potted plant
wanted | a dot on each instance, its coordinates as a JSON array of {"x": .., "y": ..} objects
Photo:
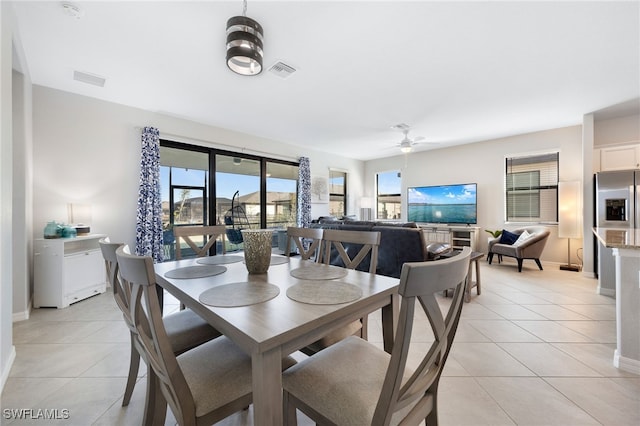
[{"x": 494, "y": 234}]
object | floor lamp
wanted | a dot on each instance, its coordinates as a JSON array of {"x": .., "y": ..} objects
[{"x": 570, "y": 218}]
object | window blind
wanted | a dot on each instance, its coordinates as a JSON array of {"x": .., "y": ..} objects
[{"x": 531, "y": 184}]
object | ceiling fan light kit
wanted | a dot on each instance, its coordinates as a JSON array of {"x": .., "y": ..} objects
[
  {"x": 405, "y": 147},
  {"x": 244, "y": 44},
  {"x": 406, "y": 144}
]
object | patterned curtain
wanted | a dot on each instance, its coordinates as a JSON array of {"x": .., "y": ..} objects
[
  {"x": 304, "y": 193},
  {"x": 149, "y": 214}
]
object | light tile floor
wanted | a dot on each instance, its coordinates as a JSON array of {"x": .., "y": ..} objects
[{"x": 535, "y": 348}]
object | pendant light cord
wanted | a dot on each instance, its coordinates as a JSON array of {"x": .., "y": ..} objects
[{"x": 244, "y": 8}]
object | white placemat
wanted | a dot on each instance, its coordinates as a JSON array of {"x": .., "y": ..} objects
[
  {"x": 239, "y": 294},
  {"x": 220, "y": 259},
  {"x": 318, "y": 271},
  {"x": 197, "y": 271},
  {"x": 324, "y": 292}
]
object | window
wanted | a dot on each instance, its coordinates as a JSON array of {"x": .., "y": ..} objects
[
  {"x": 531, "y": 184},
  {"x": 337, "y": 193},
  {"x": 388, "y": 198}
]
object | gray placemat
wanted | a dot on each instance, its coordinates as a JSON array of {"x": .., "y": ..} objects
[
  {"x": 198, "y": 271},
  {"x": 239, "y": 294},
  {"x": 324, "y": 292},
  {"x": 220, "y": 259},
  {"x": 318, "y": 271}
]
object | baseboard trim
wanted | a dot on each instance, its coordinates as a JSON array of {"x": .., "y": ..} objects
[
  {"x": 6, "y": 369},
  {"x": 24, "y": 315},
  {"x": 626, "y": 364},
  {"x": 611, "y": 292}
]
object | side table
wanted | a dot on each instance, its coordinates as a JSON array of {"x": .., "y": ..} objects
[{"x": 475, "y": 256}]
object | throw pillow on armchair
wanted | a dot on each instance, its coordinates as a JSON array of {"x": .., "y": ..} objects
[{"x": 508, "y": 237}]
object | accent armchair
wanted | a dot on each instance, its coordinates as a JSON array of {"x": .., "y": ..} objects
[{"x": 531, "y": 248}]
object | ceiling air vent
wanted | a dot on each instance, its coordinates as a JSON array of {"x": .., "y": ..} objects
[
  {"x": 282, "y": 70},
  {"x": 84, "y": 77}
]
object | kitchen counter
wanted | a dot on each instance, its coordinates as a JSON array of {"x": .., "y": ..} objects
[
  {"x": 619, "y": 238},
  {"x": 625, "y": 244}
]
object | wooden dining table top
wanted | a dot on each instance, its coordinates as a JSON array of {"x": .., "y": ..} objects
[{"x": 279, "y": 326}]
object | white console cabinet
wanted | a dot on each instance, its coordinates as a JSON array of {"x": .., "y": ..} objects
[
  {"x": 457, "y": 236},
  {"x": 67, "y": 270}
]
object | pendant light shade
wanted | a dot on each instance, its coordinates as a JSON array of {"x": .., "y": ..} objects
[{"x": 244, "y": 45}]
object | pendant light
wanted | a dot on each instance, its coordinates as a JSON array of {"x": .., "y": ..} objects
[{"x": 244, "y": 44}]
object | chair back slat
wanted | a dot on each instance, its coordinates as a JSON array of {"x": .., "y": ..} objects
[
  {"x": 370, "y": 241},
  {"x": 138, "y": 273},
  {"x": 210, "y": 235},
  {"x": 121, "y": 293},
  {"x": 301, "y": 237},
  {"x": 420, "y": 282}
]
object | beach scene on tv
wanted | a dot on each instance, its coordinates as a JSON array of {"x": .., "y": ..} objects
[{"x": 443, "y": 204}]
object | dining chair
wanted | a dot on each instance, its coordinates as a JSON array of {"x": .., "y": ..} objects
[
  {"x": 209, "y": 234},
  {"x": 356, "y": 383},
  {"x": 201, "y": 386},
  {"x": 300, "y": 238},
  {"x": 358, "y": 245},
  {"x": 185, "y": 329}
]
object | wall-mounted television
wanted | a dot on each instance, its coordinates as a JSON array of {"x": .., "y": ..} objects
[{"x": 449, "y": 204}]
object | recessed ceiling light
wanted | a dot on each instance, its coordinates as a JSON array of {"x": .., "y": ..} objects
[{"x": 72, "y": 10}]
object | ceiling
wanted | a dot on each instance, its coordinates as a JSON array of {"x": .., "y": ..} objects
[{"x": 456, "y": 72}]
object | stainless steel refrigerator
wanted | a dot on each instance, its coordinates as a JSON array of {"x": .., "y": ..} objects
[{"x": 617, "y": 206}]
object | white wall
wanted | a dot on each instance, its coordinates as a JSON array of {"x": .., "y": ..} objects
[
  {"x": 616, "y": 131},
  {"x": 483, "y": 163},
  {"x": 87, "y": 150},
  {"x": 7, "y": 350},
  {"x": 22, "y": 196}
]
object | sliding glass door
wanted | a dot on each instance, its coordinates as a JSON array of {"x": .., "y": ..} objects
[
  {"x": 238, "y": 195},
  {"x": 202, "y": 186},
  {"x": 282, "y": 195},
  {"x": 184, "y": 183}
]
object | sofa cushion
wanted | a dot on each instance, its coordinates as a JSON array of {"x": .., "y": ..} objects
[
  {"x": 522, "y": 238},
  {"x": 397, "y": 246},
  {"x": 508, "y": 237}
]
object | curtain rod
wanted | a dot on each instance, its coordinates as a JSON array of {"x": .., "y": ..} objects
[{"x": 165, "y": 135}]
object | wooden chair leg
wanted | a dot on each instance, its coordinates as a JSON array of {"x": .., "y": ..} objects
[
  {"x": 289, "y": 411},
  {"x": 134, "y": 365},
  {"x": 539, "y": 264},
  {"x": 490, "y": 258},
  {"x": 432, "y": 417},
  {"x": 155, "y": 407},
  {"x": 478, "y": 289},
  {"x": 519, "y": 265}
]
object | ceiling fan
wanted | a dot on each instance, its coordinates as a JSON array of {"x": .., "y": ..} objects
[{"x": 406, "y": 144}]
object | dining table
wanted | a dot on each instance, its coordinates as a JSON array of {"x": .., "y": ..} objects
[{"x": 274, "y": 314}]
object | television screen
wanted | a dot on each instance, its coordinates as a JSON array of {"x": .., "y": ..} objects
[{"x": 443, "y": 204}]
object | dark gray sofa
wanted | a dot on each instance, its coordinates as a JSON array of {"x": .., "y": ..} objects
[{"x": 399, "y": 243}]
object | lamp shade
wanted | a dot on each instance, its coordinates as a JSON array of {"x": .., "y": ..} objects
[
  {"x": 570, "y": 210},
  {"x": 244, "y": 45}
]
